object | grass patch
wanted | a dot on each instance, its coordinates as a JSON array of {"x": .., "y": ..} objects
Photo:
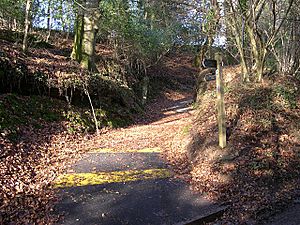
[{"x": 186, "y": 129}]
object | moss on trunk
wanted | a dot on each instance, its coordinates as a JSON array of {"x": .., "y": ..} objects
[
  {"x": 85, "y": 36},
  {"x": 91, "y": 17},
  {"x": 77, "y": 46}
]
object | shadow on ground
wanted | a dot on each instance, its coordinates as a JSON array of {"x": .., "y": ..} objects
[{"x": 160, "y": 201}]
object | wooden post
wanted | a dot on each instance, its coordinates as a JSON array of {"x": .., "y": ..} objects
[
  {"x": 145, "y": 89},
  {"x": 220, "y": 102}
]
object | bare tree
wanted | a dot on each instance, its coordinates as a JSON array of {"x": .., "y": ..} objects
[
  {"x": 261, "y": 22},
  {"x": 287, "y": 45}
]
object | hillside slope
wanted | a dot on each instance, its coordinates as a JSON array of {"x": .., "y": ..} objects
[{"x": 259, "y": 170}]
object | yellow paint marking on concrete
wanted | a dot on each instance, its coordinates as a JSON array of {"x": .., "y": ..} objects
[
  {"x": 110, "y": 150},
  {"x": 84, "y": 179}
]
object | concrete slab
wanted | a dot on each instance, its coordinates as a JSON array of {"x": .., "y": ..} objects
[
  {"x": 128, "y": 188},
  {"x": 290, "y": 216},
  {"x": 160, "y": 201},
  {"x": 106, "y": 162}
]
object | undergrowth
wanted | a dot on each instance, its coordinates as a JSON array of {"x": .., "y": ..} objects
[{"x": 18, "y": 111}]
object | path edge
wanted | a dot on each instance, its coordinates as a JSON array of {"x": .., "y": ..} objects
[{"x": 210, "y": 217}]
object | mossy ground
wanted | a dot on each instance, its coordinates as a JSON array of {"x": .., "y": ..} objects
[
  {"x": 17, "y": 111},
  {"x": 84, "y": 179}
]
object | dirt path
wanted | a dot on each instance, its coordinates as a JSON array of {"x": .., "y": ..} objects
[
  {"x": 165, "y": 117},
  {"x": 125, "y": 181}
]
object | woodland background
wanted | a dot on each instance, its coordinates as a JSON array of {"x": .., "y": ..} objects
[{"x": 70, "y": 70}]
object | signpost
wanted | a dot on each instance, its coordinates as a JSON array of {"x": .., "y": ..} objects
[
  {"x": 209, "y": 77},
  {"x": 145, "y": 89},
  {"x": 218, "y": 76},
  {"x": 220, "y": 102},
  {"x": 209, "y": 63}
]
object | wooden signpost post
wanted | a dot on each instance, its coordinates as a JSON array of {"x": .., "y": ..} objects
[
  {"x": 218, "y": 76},
  {"x": 220, "y": 102},
  {"x": 145, "y": 89}
]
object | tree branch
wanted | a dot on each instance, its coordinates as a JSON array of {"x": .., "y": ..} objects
[{"x": 281, "y": 23}]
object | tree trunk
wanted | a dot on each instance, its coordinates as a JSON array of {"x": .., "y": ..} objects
[
  {"x": 48, "y": 21},
  {"x": 238, "y": 37},
  {"x": 77, "y": 45},
  {"x": 245, "y": 70},
  {"x": 27, "y": 24},
  {"x": 259, "y": 52},
  {"x": 261, "y": 64},
  {"x": 91, "y": 17},
  {"x": 235, "y": 22},
  {"x": 85, "y": 35}
]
